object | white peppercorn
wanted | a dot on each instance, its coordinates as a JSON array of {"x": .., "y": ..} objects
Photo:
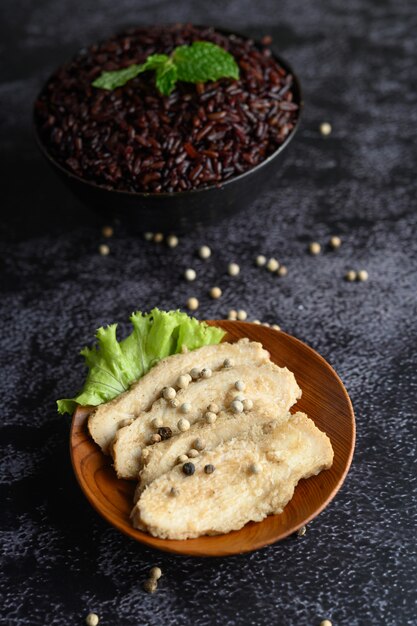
[
  {"x": 335, "y": 242},
  {"x": 183, "y": 425},
  {"x": 351, "y": 276},
  {"x": 206, "y": 372},
  {"x": 282, "y": 270},
  {"x": 213, "y": 408},
  {"x": 190, "y": 274},
  {"x": 183, "y": 458},
  {"x": 363, "y": 275},
  {"x": 104, "y": 249},
  {"x": 233, "y": 269},
  {"x": 210, "y": 417},
  {"x": 215, "y": 293},
  {"x": 185, "y": 407},
  {"x": 157, "y": 423},
  {"x": 155, "y": 438},
  {"x": 227, "y": 363},
  {"x": 314, "y": 248},
  {"x": 260, "y": 260},
  {"x": 172, "y": 241},
  {"x": 236, "y": 406},
  {"x": 155, "y": 573},
  {"x": 107, "y": 231},
  {"x": 242, "y": 315},
  {"x": 240, "y": 385},
  {"x": 195, "y": 373},
  {"x": 158, "y": 237},
  {"x": 169, "y": 393},
  {"x": 192, "y": 304},
  {"x": 272, "y": 265},
  {"x": 92, "y": 619},
  {"x": 247, "y": 404},
  {"x": 199, "y": 444},
  {"x": 325, "y": 129},
  {"x": 148, "y": 236},
  {"x": 204, "y": 252},
  {"x": 232, "y": 315},
  {"x": 193, "y": 453},
  {"x": 183, "y": 381},
  {"x": 150, "y": 585}
]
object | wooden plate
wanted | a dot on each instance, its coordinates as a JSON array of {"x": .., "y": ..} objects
[{"x": 325, "y": 401}]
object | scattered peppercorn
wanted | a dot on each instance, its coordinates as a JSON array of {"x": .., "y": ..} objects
[
  {"x": 183, "y": 458},
  {"x": 363, "y": 275},
  {"x": 155, "y": 573},
  {"x": 282, "y": 270},
  {"x": 302, "y": 531},
  {"x": 107, "y": 231},
  {"x": 165, "y": 432},
  {"x": 242, "y": 315},
  {"x": 335, "y": 242},
  {"x": 267, "y": 324},
  {"x": 260, "y": 260},
  {"x": 272, "y": 265},
  {"x": 158, "y": 237},
  {"x": 192, "y": 304},
  {"x": 155, "y": 438},
  {"x": 148, "y": 236},
  {"x": 172, "y": 241},
  {"x": 195, "y": 373},
  {"x": 204, "y": 252},
  {"x": 256, "y": 322},
  {"x": 174, "y": 492},
  {"x": 233, "y": 269},
  {"x": 350, "y": 275},
  {"x": 254, "y": 468},
  {"x": 227, "y": 363},
  {"x": 150, "y": 585},
  {"x": 185, "y": 407},
  {"x": 190, "y": 274},
  {"x": 157, "y": 423},
  {"x": 215, "y": 293},
  {"x": 276, "y": 327},
  {"x": 183, "y": 425},
  {"x": 169, "y": 393},
  {"x": 183, "y": 381},
  {"x": 325, "y": 622},
  {"x": 104, "y": 249},
  {"x": 247, "y": 404},
  {"x": 209, "y": 468},
  {"x": 314, "y": 248},
  {"x": 240, "y": 385},
  {"x": 92, "y": 619},
  {"x": 232, "y": 315},
  {"x": 325, "y": 129},
  {"x": 206, "y": 372},
  {"x": 210, "y": 417},
  {"x": 188, "y": 469},
  {"x": 174, "y": 403},
  {"x": 193, "y": 453},
  {"x": 213, "y": 408},
  {"x": 236, "y": 406},
  {"x": 199, "y": 444}
]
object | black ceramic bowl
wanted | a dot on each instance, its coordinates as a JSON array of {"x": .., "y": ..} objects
[{"x": 180, "y": 211}]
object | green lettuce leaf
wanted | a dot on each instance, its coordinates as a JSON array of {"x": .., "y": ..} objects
[{"x": 114, "y": 365}]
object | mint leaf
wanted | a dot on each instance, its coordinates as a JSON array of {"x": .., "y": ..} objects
[
  {"x": 118, "y": 78},
  {"x": 113, "y": 366},
  {"x": 198, "y": 63},
  {"x": 166, "y": 77},
  {"x": 203, "y": 61}
]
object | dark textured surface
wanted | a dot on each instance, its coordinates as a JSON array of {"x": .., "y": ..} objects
[{"x": 356, "y": 565}]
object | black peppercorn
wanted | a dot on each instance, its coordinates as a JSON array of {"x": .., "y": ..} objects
[
  {"x": 209, "y": 469},
  {"x": 188, "y": 469},
  {"x": 164, "y": 432}
]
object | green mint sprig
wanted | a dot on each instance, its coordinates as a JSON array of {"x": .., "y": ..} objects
[{"x": 198, "y": 63}]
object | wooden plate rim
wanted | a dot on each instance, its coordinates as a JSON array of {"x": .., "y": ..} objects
[{"x": 179, "y": 547}]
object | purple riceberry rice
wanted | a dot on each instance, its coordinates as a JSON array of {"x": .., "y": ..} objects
[{"x": 135, "y": 139}]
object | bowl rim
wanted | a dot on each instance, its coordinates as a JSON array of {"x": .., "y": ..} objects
[{"x": 180, "y": 194}]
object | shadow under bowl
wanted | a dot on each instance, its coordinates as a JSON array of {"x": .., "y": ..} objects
[{"x": 179, "y": 211}]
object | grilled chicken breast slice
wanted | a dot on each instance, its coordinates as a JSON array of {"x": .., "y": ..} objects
[
  {"x": 252, "y": 479},
  {"x": 104, "y": 422},
  {"x": 263, "y": 382}
]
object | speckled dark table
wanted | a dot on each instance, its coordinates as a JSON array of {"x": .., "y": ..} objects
[{"x": 357, "y": 564}]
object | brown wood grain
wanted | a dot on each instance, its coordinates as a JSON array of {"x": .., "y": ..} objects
[{"x": 325, "y": 401}]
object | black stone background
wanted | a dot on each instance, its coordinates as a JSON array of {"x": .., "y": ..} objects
[{"x": 357, "y": 564}]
